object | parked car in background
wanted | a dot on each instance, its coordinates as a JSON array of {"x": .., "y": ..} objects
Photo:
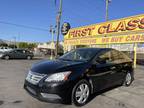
[
  {"x": 77, "y": 74},
  {"x": 4, "y": 49},
  {"x": 17, "y": 54}
]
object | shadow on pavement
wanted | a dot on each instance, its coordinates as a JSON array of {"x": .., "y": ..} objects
[{"x": 101, "y": 93}]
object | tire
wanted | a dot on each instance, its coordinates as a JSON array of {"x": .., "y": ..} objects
[
  {"x": 128, "y": 79},
  {"x": 81, "y": 93},
  {"x": 29, "y": 57},
  {"x": 7, "y": 57}
]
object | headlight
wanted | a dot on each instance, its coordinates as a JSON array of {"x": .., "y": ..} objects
[{"x": 62, "y": 76}]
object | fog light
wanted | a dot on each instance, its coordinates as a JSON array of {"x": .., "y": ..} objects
[{"x": 50, "y": 96}]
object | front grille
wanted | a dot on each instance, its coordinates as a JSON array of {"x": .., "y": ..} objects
[{"x": 34, "y": 78}]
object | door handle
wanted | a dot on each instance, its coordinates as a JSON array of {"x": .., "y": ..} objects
[{"x": 113, "y": 68}]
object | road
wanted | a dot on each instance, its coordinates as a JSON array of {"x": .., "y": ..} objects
[{"x": 12, "y": 94}]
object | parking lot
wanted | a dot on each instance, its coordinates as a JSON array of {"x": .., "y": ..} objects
[{"x": 12, "y": 94}]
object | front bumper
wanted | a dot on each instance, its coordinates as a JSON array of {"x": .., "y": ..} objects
[
  {"x": 50, "y": 92},
  {"x": 1, "y": 56}
]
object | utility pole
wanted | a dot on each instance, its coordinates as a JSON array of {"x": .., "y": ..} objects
[
  {"x": 14, "y": 40},
  {"x": 18, "y": 43},
  {"x": 52, "y": 31},
  {"x": 58, "y": 26},
  {"x": 107, "y": 15},
  {"x": 107, "y": 4}
]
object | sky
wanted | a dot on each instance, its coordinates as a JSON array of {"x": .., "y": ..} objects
[{"x": 37, "y": 15}]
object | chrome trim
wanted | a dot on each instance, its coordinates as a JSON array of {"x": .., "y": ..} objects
[
  {"x": 34, "y": 77},
  {"x": 104, "y": 73}
]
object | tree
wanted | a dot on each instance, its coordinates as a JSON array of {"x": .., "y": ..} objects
[
  {"x": 3, "y": 44},
  {"x": 23, "y": 45},
  {"x": 32, "y": 45},
  {"x": 12, "y": 46},
  {"x": 27, "y": 45}
]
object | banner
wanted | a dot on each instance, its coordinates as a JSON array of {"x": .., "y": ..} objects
[
  {"x": 132, "y": 38},
  {"x": 133, "y": 25}
]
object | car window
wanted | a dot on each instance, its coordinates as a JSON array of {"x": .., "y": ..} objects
[
  {"x": 104, "y": 58},
  {"x": 79, "y": 55},
  {"x": 27, "y": 52},
  {"x": 19, "y": 51},
  {"x": 118, "y": 57}
]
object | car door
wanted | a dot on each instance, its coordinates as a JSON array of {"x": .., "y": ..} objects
[
  {"x": 117, "y": 68},
  {"x": 101, "y": 76},
  {"x": 24, "y": 54},
  {"x": 18, "y": 54},
  {"x": 11, "y": 54}
]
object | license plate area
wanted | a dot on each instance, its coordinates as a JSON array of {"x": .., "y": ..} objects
[{"x": 31, "y": 90}]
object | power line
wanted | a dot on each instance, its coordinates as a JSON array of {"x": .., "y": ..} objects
[{"x": 24, "y": 26}]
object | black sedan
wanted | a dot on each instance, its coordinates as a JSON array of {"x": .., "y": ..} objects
[
  {"x": 78, "y": 74},
  {"x": 17, "y": 54}
]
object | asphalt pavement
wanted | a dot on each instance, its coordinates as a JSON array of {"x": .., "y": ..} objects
[{"x": 12, "y": 94}]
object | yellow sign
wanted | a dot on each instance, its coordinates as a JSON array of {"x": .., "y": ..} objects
[
  {"x": 132, "y": 24},
  {"x": 133, "y": 38}
]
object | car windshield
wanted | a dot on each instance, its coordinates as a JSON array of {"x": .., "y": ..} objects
[{"x": 79, "y": 55}]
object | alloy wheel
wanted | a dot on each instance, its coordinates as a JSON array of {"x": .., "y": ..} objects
[
  {"x": 7, "y": 57},
  {"x": 128, "y": 79},
  {"x": 28, "y": 57},
  {"x": 82, "y": 93}
]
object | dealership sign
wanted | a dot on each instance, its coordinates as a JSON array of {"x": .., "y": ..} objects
[
  {"x": 132, "y": 38},
  {"x": 116, "y": 27}
]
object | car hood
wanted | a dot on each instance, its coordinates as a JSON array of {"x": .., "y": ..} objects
[{"x": 54, "y": 66}]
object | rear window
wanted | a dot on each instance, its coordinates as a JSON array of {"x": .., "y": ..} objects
[{"x": 118, "y": 57}]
